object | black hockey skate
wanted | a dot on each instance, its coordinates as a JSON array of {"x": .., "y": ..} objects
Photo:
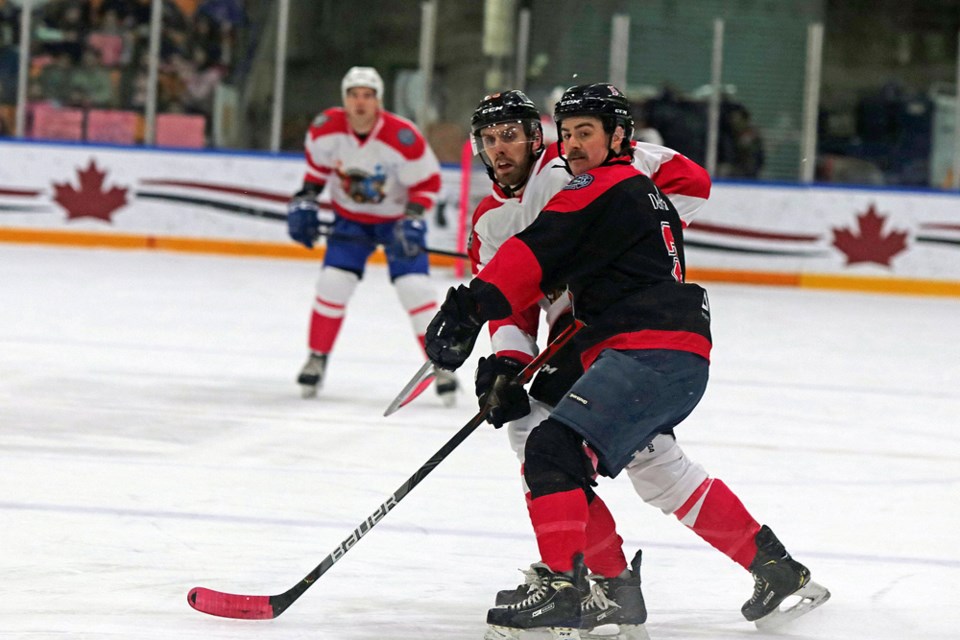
[
  {"x": 554, "y": 605},
  {"x": 614, "y": 608},
  {"x": 447, "y": 386},
  {"x": 776, "y": 577},
  {"x": 311, "y": 375}
]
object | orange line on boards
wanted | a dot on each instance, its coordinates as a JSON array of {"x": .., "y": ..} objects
[
  {"x": 180, "y": 244},
  {"x": 881, "y": 285},
  {"x": 296, "y": 252}
]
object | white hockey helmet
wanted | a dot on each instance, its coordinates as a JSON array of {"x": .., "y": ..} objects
[{"x": 362, "y": 77}]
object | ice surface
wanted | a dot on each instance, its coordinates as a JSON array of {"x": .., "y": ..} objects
[{"x": 152, "y": 439}]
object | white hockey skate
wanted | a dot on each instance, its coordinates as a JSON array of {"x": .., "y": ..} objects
[{"x": 310, "y": 378}]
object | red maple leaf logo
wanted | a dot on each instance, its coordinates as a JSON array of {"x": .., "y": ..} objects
[
  {"x": 90, "y": 201},
  {"x": 870, "y": 245}
]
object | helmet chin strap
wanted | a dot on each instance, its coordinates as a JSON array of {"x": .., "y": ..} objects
[{"x": 513, "y": 191}]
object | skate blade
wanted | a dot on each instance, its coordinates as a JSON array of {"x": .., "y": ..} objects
[
  {"x": 613, "y": 632},
  {"x": 496, "y": 632},
  {"x": 811, "y": 596},
  {"x": 308, "y": 390}
]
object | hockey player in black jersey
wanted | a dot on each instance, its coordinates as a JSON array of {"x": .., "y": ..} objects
[{"x": 617, "y": 242}]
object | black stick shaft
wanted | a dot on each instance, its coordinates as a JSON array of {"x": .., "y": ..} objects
[{"x": 284, "y": 600}]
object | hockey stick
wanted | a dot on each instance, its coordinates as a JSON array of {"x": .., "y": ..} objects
[
  {"x": 268, "y": 214},
  {"x": 229, "y": 605},
  {"x": 358, "y": 240}
]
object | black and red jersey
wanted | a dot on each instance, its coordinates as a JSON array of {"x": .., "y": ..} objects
[{"x": 616, "y": 241}]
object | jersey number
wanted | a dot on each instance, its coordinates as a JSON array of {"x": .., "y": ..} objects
[{"x": 671, "y": 245}]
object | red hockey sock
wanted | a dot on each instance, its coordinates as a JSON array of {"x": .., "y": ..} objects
[
  {"x": 603, "y": 554},
  {"x": 716, "y": 514},
  {"x": 560, "y": 524},
  {"x": 323, "y": 331}
]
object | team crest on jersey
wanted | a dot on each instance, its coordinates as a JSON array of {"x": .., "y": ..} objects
[
  {"x": 579, "y": 182},
  {"x": 406, "y": 137},
  {"x": 320, "y": 120},
  {"x": 361, "y": 186}
]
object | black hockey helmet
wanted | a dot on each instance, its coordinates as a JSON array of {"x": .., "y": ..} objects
[
  {"x": 601, "y": 100},
  {"x": 501, "y": 108},
  {"x": 506, "y": 106}
]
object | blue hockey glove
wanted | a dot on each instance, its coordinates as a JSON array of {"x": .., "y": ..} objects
[
  {"x": 453, "y": 331},
  {"x": 306, "y": 221},
  {"x": 303, "y": 223},
  {"x": 410, "y": 234},
  {"x": 498, "y": 389}
]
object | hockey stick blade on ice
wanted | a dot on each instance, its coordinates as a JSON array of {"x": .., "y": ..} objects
[
  {"x": 231, "y": 605},
  {"x": 417, "y": 385}
]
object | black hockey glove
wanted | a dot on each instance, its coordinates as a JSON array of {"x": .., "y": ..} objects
[
  {"x": 453, "y": 331},
  {"x": 499, "y": 389}
]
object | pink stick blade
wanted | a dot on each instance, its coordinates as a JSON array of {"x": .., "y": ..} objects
[
  {"x": 228, "y": 605},
  {"x": 420, "y": 388},
  {"x": 417, "y": 385}
]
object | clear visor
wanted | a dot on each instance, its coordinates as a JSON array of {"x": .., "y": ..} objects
[{"x": 486, "y": 140}]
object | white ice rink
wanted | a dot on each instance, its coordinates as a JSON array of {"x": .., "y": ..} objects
[{"x": 152, "y": 439}]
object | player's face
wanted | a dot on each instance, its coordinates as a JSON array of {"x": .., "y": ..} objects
[
  {"x": 585, "y": 143},
  {"x": 507, "y": 147},
  {"x": 361, "y": 105}
]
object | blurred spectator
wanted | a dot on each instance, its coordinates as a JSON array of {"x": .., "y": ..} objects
[
  {"x": 681, "y": 122},
  {"x": 90, "y": 83},
  {"x": 9, "y": 51},
  {"x": 63, "y": 28},
  {"x": 53, "y": 83},
  {"x": 205, "y": 35},
  {"x": 228, "y": 16},
  {"x": 224, "y": 12},
  {"x": 114, "y": 44},
  {"x": 9, "y": 24},
  {"x": 133, "y": 84},
  {"x": 200, "y": 80},
  {"x": 748, "y": 154},
  {"x": 170, "y": 83}
]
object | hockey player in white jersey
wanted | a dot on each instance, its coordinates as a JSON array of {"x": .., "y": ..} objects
[
  {"x": 507, "y": 135},
  {"x": 381, "y": 177}
]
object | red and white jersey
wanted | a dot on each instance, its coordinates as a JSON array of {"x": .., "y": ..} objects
[
  {"x": 498, "y": 218},
  {"x": 371, "y": 179}
]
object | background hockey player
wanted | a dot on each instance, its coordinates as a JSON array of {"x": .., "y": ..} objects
[
  {"x": 614, "y": 238},
  {"x": 382, "y": 177}
]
